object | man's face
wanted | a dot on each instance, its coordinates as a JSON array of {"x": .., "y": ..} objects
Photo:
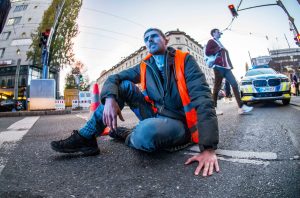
[
  {"x": 217, "y": 34},
  {"x": 155, "y": 43}
]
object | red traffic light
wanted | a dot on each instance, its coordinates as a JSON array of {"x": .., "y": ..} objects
[
  {"x": 233, "y": 10},
  {"x": 298, "y": 37}
]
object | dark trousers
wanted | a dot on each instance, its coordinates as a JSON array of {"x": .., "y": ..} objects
[
  {"x": 227, "y": 89},
  {"x": 221, "y": 73}
]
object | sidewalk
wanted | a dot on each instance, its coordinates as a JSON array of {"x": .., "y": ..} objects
[{"x": 295, "y": 100}]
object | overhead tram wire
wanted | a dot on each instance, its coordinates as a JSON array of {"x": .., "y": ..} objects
[
  {"x": 116, "y": 16},
  {"x": 113, "y": 38},
  {"x": 102, "y": 29}
]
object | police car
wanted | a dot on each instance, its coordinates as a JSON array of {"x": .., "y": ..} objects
[{"x": 265, "y": 84}]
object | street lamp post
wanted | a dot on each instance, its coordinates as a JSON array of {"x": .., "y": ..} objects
[{"x": 16, "y": 87}]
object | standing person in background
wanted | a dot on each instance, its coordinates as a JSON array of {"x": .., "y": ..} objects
[
  {"x": 228, "y": 95},
  {"x": 296, "y": 83},
  {"x": 222, "y": 69}
]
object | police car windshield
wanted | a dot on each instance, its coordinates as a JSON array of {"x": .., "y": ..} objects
[{"x": 255, "y": 72}]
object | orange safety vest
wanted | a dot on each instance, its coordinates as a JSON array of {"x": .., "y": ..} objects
[{"x": 190, "y": 112}]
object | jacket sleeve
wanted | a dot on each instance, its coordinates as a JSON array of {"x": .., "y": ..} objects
[
  {"x": 201, "y": 99},
  {"x": 212, "y": 48},
  {"x": 111, "y": 85}
]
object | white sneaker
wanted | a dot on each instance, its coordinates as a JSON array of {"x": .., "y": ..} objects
[
  {"x": 244, "y": 109},
  {"x": 219, "y": 112}
]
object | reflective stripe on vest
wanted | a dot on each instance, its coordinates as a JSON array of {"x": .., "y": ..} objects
[
  {"x": 190, "y": 113},
  {"x": 143, "y": 82}
]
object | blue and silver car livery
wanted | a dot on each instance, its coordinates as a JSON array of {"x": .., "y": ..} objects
[{"x": 265, "y": 84}]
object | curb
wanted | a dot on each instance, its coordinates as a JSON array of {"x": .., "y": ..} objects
[{"x": 34, "y": 113}]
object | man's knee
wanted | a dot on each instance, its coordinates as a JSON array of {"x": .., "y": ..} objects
[{"x": 143, "y": 137}]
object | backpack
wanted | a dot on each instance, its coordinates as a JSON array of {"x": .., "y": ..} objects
[{"x": 210, "y": 60}]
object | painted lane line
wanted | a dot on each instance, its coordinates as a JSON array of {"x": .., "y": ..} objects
[
  {"x": 24, "y": 124},
  {"x": 241, "y": 161},
  {"x": 82, "y": 117},
  {"x": 11, "y": 136},
  {"x": 241, "y": 154},
  {"x": 15, "y": 133}
]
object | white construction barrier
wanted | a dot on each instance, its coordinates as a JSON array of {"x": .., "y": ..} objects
[
  {"x": 60, "y": 105},
  {"x": 84, "y": 104}
]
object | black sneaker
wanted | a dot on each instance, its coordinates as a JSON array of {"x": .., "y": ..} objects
[
  {"x": 120, "y": 134},
  {"x": 76, "y": 143}
]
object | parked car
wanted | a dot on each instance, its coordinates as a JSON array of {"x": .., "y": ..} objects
[
  {"x": 11, "y": 105},
  {"x": 265, "y": 84}
]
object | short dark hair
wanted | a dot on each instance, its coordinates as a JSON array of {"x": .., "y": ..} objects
[
  {"x": 213, "y": 31},
  {"x": 158, "y": 30}
]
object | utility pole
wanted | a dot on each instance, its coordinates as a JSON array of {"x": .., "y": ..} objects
[
  {"x": 16, "y": 87},
  {"x": 291, "y": 19}
]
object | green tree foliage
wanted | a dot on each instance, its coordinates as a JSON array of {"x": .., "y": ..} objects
[
  {"x": 78, "y": 71},
  {"x": 61, "y": 50}
]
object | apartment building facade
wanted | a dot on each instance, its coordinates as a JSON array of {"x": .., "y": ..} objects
[
  {"x": 178, "y": 40},
  {"x": 23, "y": 19}
]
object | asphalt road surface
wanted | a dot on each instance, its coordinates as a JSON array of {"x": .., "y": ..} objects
[{"x": 258, "y": 156}]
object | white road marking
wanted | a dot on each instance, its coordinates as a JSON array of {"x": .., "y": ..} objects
[
  {"x": 241, "y": 154},
  {"x": 24, "y": 124},
  {"x": 11, "y": 136},
  {"x": 242, "y": 161},
  {"x": 15, "y": 133},
  {"x": 82, "y": 116}
]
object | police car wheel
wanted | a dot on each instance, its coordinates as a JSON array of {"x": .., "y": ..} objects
[{"x": 286, "y": 101}]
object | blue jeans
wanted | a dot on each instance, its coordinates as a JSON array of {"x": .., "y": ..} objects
[{"x": 153, "y": 132}]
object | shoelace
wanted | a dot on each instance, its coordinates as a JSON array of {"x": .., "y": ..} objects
[{"x": 69, "y": 139}]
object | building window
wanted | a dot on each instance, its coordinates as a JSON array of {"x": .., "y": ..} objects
[
  {"x": 29, "y": 19},
  {"x": 20, "y": 8},
  {"x": 35, "y": 7},
  {"x": 180, "y": 48},
  {"x": 9, "y": 83},
  {"x": 188, "y": 49},
  {"x": 177, "y": 39},
  {"x": 2, "y": 50},
  {"x": 14, "y": 21},
  {"x": 3, "y": 84},
  {"x": 5, "y": 35},
  {"x": 23, "y": 34},
  {"x": 187, "y": 42}
]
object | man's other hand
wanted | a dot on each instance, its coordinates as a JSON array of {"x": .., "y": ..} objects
[
  {"x": 110, "y": 113},
  {"x": 207, "y": 161}
]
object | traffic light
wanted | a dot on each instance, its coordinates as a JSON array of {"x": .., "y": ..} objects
[
  {"x": 80, "y": 78},
  {"x": 297, "y": 39},
  {"x": 233, "y": 10},
  {"x": 44, "y": 38}
]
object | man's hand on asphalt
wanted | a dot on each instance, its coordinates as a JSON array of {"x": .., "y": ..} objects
[
  {"x": 110, "y": 113},
  {"x": 207, "y": 161}
]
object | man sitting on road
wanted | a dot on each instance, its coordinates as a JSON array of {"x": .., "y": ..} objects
[{"x": 175, "y": 107}]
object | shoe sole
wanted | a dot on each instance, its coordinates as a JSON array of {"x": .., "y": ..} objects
[{"x": 86, "y": 152}]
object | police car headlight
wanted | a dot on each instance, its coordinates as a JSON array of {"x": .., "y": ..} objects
[{"x": 247, "y": 83}]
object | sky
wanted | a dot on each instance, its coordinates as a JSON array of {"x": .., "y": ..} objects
[{"x": 110, "y": 30}]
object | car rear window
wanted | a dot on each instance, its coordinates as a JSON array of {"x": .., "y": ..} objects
[{"x": 255, "y": 72}]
